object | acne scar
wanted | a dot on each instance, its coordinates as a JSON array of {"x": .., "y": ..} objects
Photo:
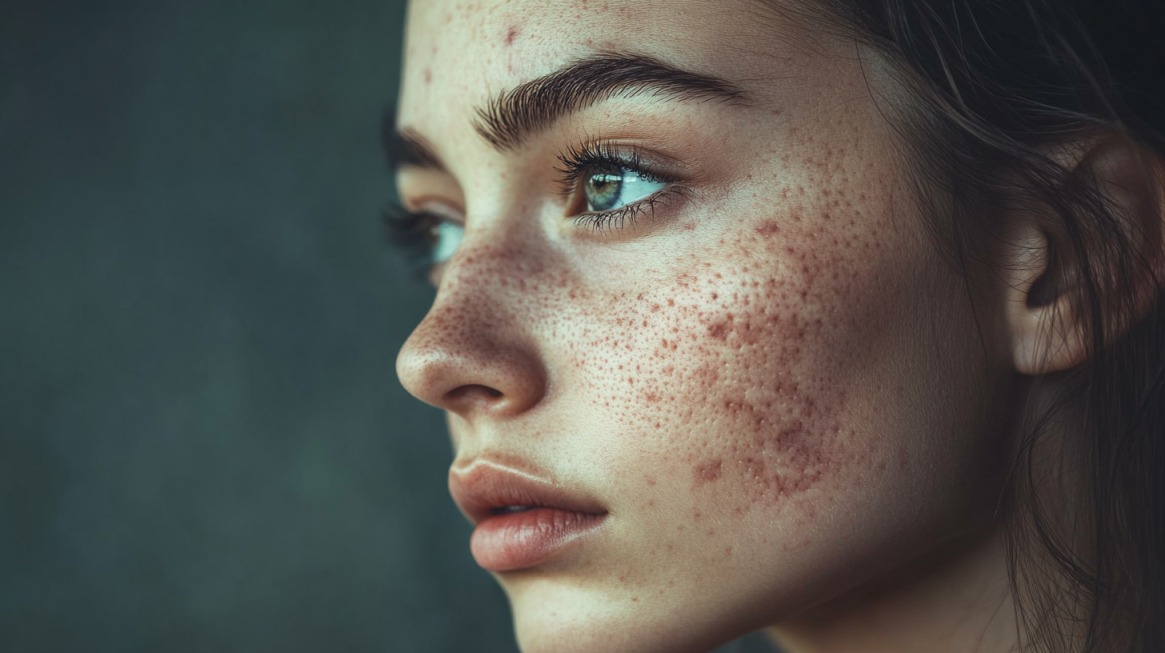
[
  {"x": 707, "y": 472},
  {"x": 768, "y": 228}
]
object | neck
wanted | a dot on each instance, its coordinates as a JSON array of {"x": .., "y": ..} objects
[{"x": 958, "y": 602}]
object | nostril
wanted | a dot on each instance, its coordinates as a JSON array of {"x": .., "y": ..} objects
[{"x": 473, "y": 392}]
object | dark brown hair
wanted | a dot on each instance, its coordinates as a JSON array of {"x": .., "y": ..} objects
[{"x": 995, "y": 86}]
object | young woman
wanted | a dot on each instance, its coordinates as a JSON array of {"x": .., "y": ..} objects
[{"x": 841, "y": 318}]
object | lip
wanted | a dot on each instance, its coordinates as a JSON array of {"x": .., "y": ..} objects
[{"x": 552, "y": 519}]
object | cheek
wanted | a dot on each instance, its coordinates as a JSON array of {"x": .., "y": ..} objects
[{"x": 734, "y": 378}]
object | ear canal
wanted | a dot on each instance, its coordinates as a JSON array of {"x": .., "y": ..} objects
[{"x": 1045, "y": 289}]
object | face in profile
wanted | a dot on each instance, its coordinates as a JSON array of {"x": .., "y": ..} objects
[{"x": 705, "y": 370}]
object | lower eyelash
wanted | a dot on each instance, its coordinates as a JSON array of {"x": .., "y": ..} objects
[{"x": 618, "y": 218}]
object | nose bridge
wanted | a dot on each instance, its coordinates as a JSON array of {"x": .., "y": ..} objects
[
  {"x": 490, "y": 265},
  {"x": 475, "y": 351}
]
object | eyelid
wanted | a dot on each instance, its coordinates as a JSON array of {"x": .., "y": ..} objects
[
  {"x": 575, "y": 159},
  {"x": 437, "y": 208},
  {"x": 421, "y": 188}
]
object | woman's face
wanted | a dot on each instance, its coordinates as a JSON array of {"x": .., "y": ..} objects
[{"x": 695, "y": 315}]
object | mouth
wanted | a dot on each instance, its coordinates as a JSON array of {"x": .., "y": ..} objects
[
  {"x": 521, "y": 519},
  {"x": 506, "y": 510}
]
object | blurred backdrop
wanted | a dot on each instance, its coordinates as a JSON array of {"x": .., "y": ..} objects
[{"x": 203, "y": 445}]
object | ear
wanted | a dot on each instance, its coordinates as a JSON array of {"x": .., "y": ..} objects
[{"x": 1047, "y": 331}]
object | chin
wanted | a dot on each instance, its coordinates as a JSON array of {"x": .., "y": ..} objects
[{"x": 556, "y": 616}]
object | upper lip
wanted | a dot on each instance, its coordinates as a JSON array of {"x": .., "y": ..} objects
[{"x": 483, "y": 487}]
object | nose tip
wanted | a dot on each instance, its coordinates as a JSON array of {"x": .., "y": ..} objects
[{"x": 470, "y": 373}]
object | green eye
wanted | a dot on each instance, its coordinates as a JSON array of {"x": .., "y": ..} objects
[{"x": 617, "y": 187}]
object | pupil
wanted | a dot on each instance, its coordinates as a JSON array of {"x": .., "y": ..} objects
[{"x": 603, "y": 190}]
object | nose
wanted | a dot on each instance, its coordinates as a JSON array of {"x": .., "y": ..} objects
[{"x": 474, "y": 353}]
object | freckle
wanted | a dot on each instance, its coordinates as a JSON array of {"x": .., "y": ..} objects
[{"x": 428, "y": 74}]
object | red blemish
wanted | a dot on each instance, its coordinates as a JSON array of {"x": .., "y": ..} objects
[
  {"x": 707, "y": 471},
  {"x": 511, "y": 34},
  {"x": 768, "y": 228},
  {"x": 718, "y": 331}
]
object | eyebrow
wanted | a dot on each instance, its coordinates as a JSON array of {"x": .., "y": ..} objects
[
  {"x": 510, "y": 118},
  {"x": 407, "y": 148}
]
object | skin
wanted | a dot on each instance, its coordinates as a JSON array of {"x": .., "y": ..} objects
[{"x": 774, "y": 383}]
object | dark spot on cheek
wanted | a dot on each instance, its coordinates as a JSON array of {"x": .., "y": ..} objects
[
  {"x": 718, "y": 331},
  {"x": 707, "y": 472},
  {"x": 428, "y": 75},
  {"x": 512, "y": 34},
  {"x": 767, "y": 228}
]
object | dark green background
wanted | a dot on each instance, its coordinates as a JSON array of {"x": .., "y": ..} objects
[{"x": 203, "y": 445}]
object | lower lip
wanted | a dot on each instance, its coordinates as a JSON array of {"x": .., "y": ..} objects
[{"x": 520, "y": 540}]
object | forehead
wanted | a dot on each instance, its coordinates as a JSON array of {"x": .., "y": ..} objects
[{"x": 460, "y": 53}]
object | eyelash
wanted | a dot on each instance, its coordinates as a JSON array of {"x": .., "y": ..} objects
[{"x": 594, "y": 156}]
